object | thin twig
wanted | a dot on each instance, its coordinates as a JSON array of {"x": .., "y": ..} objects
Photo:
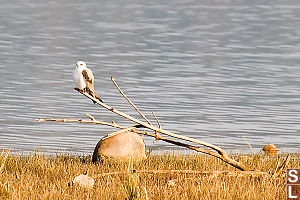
[
  {"x": 206, "y": 173},
  {"x": 80, "y": 121},
  {"x": 129, "y": 101},
  {"x": 156, "y": 119},
  {"x": 91, "y": 117},
  {"x": 158, "y": 136}
]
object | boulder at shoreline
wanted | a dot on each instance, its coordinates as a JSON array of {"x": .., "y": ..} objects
[{"x": 122, "y": 146}]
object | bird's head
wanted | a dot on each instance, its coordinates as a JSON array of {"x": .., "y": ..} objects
[{"x": 81, "y": 64}]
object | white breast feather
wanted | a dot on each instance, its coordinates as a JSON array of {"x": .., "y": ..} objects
[{"x": 78, "y": 79}]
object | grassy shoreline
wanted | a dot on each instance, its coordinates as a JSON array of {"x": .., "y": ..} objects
[{"x": 48, "y": 177}]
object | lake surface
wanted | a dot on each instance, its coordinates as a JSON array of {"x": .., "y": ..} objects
[{"x": 216, "y": 71}]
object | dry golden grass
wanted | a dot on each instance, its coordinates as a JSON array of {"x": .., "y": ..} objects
[{"x": 49, "y": 177}]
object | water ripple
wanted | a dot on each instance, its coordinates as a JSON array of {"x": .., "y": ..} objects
[{"x": 213, "y": 70}]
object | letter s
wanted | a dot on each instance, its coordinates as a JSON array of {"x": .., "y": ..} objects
[{"x": 293, "y": 173}]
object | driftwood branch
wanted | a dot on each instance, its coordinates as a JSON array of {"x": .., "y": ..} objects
[
  {"x": 217, "y": 151},
  {"x": 220, "y": 151},
  {"x": 133, "y": 129}
]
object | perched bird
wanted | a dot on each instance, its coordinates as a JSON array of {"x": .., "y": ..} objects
[{"x": 84, "y": 79}]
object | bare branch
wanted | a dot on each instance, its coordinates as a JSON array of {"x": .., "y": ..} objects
[
  {"x": 150, "y": 126},
  {"x": 80, "y": 121},
  {"x": 132, "y": 129},
  {"x": 222, "y": 153}
]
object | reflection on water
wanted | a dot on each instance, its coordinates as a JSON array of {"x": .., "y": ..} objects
[{"x": 215, "y": 70}]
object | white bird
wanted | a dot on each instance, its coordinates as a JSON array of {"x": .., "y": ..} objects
[{"x": 84, "y": 79}]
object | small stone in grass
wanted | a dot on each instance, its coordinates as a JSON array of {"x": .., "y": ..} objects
[{"x": 84, "y": 181}]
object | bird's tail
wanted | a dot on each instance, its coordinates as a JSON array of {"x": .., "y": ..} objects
[
  {"x": 96, "y": 96},
  {"x": 93, "y": 93}
]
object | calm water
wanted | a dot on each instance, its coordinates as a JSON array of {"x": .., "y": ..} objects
[{"x": 212, "y": 70}]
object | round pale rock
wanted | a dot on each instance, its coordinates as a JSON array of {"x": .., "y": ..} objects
[{"x": 122, "y": 145}]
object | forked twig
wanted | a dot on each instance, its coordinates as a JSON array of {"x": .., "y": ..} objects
[
  {"x": 158, "y": 136},
  {"x": 113, "y": 78},
  {"x": 156, "y": 119}
]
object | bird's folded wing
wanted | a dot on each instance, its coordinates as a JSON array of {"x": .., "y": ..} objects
[{"x": 88, "y": 78}]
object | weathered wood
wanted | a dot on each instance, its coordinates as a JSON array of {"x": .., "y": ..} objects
[
  {"x": 223, "y": 155},
  {"x": 217, "y": 151},
  {"x": 198, "y": 149}
]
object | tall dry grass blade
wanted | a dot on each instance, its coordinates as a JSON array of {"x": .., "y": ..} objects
[
  {"x": 284, "y": 164},
  {"x": 146, "y": 193},
  {"x": 249, "y": 144},
  {"x": 4, "y": 160}
]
